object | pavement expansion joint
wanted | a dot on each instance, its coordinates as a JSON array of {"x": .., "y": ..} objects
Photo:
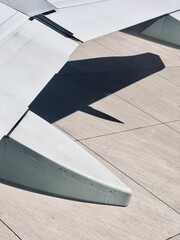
[
  {"x": 132, "y": 179},
  {"x": 172, "y": 128},
  {"x": 168, "y": 80},
  {"x": 17, "y": 236},
  {"x": 111, "y": 49},
  {"x": 174, "y": 236},
  {"x": 128, "y": 130},
  {"x": 138, "y": 108},
  {"x": 114, "y": 133},
  {"x": 165, "y": 49}
]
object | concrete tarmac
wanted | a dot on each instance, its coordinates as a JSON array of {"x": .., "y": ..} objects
[{"x": 119, "y": 98}]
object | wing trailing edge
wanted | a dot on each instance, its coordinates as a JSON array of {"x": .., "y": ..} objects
[{"x": 31, "y": 54}]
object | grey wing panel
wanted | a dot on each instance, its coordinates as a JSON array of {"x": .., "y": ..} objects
[
  {"x": 10, "y": 21},
  {"x": 29, "y": 7},
  {"x": 89, "y": 21},
  {"x": 29, "y": 56},
  {"x": 72, "y": 3},
  {"x": 5, "y": 13}
]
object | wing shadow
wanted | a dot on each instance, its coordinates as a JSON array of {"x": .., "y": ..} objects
[{"x": 83, "y": 82}]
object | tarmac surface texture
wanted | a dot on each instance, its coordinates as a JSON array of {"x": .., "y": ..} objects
[{"x": 119, "y": 98}]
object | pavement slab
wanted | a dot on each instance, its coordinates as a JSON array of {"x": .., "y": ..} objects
[
  {"x": 175, "y": 125},
  {"x": 155, "y": 96},
  {"x": 124, "y": 45},
  {"x": 107, "y": 116},
  {"x": 172, "y": 50},
  {"x": 90, "y": 50},
  {"x": 176, "y": 237},
  {"x": 171, "y": 74},
  {"x": 6, "y": 233}
]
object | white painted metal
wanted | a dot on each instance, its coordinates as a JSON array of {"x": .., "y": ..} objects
[
  {"x": 28, "y": 60},
  {"x": 10, "y": 21},
  {"x": 176, "y": 15},
  {"x": 40, "y": 157},
  {"x": 29, "y": 7},
  {"x": 92, "y": 20},
  {"x": 5, "y": 13},
  {"x": 71, "y": 3}
]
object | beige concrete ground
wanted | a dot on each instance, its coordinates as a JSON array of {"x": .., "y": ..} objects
[{"x": 119, "y": 97}]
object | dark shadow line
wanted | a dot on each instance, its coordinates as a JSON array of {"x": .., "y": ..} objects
[{"x": 94, "y": 112}]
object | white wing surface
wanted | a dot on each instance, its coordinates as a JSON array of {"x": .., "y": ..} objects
[
  {"x": 72, "y": 3},
  {"x": 29, "y": 57},
  {"x": 88, "y": 21},
  {"x": 30, "y": 7},
  {"x": 176, "y": 15}
]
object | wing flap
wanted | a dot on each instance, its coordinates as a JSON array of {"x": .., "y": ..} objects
[
  {"x": 10, "y": 20},
  {"x": 30, "y": 7},
  {"x": 28, "y": 60}
]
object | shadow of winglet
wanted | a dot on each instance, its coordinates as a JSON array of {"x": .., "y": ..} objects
[{"x": 83, "y": 82}]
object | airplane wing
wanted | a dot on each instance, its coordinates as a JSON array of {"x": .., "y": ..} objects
[
  {"x": 88, "y": 21},
  {"x": 36, "y": 40}
]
